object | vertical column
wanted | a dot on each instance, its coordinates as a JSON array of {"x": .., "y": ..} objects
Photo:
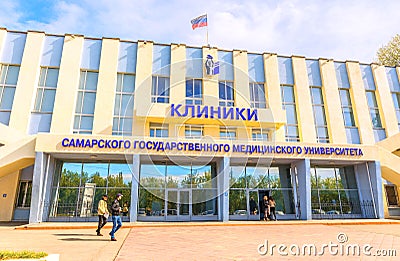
[
  {"x": 274, "y": 94},
  {"x": 27, "y": 81},
  {"x": 37, "y": 187},
  {"x": 135, "y": 168},
  {"x": 178, "y": 74},
  {"x": 105, "y": 96},
  {"x": 143, "y": 79},
  {"x": 210, "y": 83},
  {"x": 384, "y": 99},
  {"x": 374, "y": 169},
  {"x": 360, "y": 105},
  {"x": 47, "y": 186},
  {"x": 333, "y": 108},
  {"x": 241, "y": 84},
  {"x": 223, "y": 166},
  {"x": 303, "y": 100},
  {"x": 304, "y": 181},
  {"x": 67, "y": 86},
  {"x": 3, "y": 33}
]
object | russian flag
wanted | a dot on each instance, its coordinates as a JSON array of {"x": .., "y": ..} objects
[{"x": 199, "y": 21}]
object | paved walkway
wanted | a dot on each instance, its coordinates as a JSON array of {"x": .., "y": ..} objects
[{"x": 202, "y": 241}]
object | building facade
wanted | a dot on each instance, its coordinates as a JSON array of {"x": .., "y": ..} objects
[{"x": 192, "y": 133}]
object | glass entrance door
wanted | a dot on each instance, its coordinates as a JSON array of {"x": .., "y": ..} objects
[{"x": 178, "y": 205}]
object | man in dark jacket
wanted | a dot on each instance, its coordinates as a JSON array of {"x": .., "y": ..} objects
[{"x": 116, "y": 218}]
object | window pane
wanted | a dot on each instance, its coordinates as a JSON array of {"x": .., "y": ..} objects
[
  {"x": 48, "y": 100},
  {"x": 316, "y": 96},
  {"x": 79, "y": 102},
  {"x": 12, "y": 75},
  {"x": 117, "y": 104},
  {"x": 70, "y": 175},
  {"x": 95, "y": 173},
  {"x": 91, "y": 81},
  {"x": 197, "y": 88},
  {"x": 21, "y": 195},
  {"x": 396, "y": 100},
  {"x": 371, "y": 99},
  {"x": 376, "y": 119},
  {"x": 348, "y": 117},
  {"x": 129, "y": 83},
  {"x": 127, "y": 105},
  {"x": 88, "y": 103},
  {"x": 127, "y": 125},
  {"x": 288, "y": 94},
  {"x": 86, "y": 123},
  {"x": 38, "y": 100},
  {"x": 292, "y": 131},
  {"x": 178, "y": 176},
  {"x": 152, "y": 176},
  {"x": 322, "y": 132},
  {"x": 52, "y": 77},
  {"x": 119, "y": 82},
  {"x": 120, "y": 175},
  {"x": 345, "y": 98},
  {"x": 189, "y": 88},
  {"x": 42, "y": 76},
  {"x": 319, "y": 116},
  {"x": 237, "y": 177},
  {"x": 291, "y": 114},
  {"x": 7, "y": 99}
]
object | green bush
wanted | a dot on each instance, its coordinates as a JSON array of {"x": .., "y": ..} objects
[{"x": 24, "y": 254}]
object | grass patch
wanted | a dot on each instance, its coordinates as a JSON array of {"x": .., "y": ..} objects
[{"x": 24, "y": 254}]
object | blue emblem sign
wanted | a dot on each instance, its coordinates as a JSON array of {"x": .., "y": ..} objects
[{"x": 212, "y": 68}]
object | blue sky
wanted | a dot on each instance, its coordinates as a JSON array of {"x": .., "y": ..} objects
[{"x": 338, "y": 29}]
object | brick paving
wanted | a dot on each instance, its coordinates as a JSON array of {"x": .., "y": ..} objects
[
  {"x": 241, "y": 242},
  {"x": 198, "y": 241}
]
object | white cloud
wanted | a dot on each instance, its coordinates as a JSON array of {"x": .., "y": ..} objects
[{"x": 336, "y": 29}]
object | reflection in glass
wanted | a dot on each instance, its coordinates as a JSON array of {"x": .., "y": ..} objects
[
  {"x": 237, "y": 202},
  {"x": 237, "y": 177},
  {"x": 152, "y": 176},
  {"x": 178, "y": 176},
  {"x": 120, "y": 175},
  {"x": 204, "y": 202},
  {"x": 151, "y": 202}
]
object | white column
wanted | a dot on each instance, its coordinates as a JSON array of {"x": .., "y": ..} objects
[
  {"x": 304, "y": 193},
  {"x": 135, "y": 168}
]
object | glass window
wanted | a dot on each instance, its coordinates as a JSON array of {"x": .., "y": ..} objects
[
  {"x": 194, "y": 91},
  {"x": 178, "y": 176},
  {"x": 319, "y": 114},
  {"x": 289, "y": 105},
  {"x": 158, "y": 130},
  {"x": 260, "y": 134},
  {"x": 226, "y": 98},
  {"x": 46, "y": 91},
  {"x": 257, "y": 95},
  {"x": 85, "y": 104},
  {"x": 8, "y": 84},
  {"x": 193, "y": 131},
  {"x": 24, "y": 194},
  {"x": 227, "y": 133},
  {"x": 160, "y": 89},
  {"x": 123, "y": 106}
]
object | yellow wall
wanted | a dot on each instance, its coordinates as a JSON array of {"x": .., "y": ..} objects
[
  {"x": 8, "y": 185},
  {"x": 359, "y": 102},
  {"x": 27, "y": 81},
  {"x": 384, "y": 99},
  {"x": 105, "y": 95},
  {"x": 305, "y": 115},
  {"x": 67, "y": 86},
  {"x": 333, "y": 107}
]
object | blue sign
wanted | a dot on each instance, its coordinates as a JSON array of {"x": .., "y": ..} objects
[
  {"x": 208, "y": 147},
  {"x": 198, "y": 111}
]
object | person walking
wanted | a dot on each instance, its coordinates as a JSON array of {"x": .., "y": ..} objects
[
  {"x": 266, "y": 208},
  {"x": 272, "y": 205},
  {"x": 102, "y": 211},
  {"x": 116, "y": 218}
]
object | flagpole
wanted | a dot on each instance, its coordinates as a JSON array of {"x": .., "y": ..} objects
[{"x": 208, "y": 44}]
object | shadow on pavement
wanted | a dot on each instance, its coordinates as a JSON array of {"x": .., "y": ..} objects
[
  {"x": 82, "y": 235},
  {"x": 84, "y": 239},
  {"x": 12, "y": 224}
]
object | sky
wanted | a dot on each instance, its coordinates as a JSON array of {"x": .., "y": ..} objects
[{"x": 338, "y": 29}]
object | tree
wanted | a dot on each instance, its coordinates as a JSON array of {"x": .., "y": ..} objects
[{"x": 389, "y": 55}]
